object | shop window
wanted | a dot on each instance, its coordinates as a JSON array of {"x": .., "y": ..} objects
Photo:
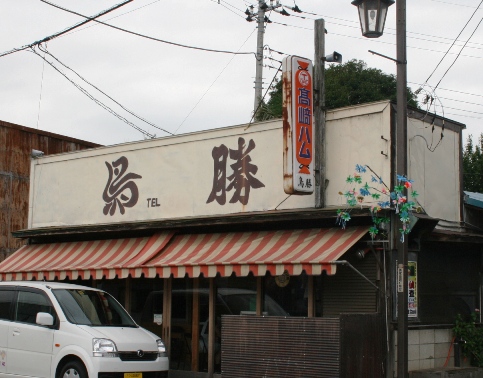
[
  {"x": 286, "y": 295},
  {"x": 146, "y": 301},
  {"x": 449, "y": 281}
]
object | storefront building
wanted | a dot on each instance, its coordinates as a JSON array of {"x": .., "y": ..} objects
[{"x": 197, "y": 230}]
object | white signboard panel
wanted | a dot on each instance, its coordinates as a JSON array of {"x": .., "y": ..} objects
[
  {"x": 224, "y": 171},
  {"x": 298, "y": 125}
]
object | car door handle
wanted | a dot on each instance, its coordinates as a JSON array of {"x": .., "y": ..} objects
[{"x": 15, "y": 332}]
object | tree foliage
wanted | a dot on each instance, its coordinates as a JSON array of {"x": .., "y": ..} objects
[
  {"x": 346, "y": 84},
  {"x": 473, "y": 165}
]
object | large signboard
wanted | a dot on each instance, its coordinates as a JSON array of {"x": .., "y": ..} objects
[
  {"x": 231, "y": 170},
  {"x": 298, "y": 125}
]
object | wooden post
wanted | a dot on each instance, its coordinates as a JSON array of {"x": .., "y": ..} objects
[
  {"x": 311, "y": 297},
  {"x": 166, "y": 330},
  {"x": 260, "y": 295},
  {"x": 211, "y": 329},
  {"x": 195, "y": 326},
  {"x": 127, "y": 294}
]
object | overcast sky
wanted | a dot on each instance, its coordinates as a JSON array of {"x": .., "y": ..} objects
[{"x": 183, "y": 90}]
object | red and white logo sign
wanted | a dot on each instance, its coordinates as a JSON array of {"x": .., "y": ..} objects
[{"x": 298, "y": 125}]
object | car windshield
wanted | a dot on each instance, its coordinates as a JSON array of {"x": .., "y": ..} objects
[{"x": 92, "y": 307}]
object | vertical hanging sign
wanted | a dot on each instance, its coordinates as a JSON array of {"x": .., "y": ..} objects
[{"x": 298, "y": 127}]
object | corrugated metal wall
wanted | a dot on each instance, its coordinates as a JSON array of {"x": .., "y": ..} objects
[
  {"x": 16, "y": 144},
  {"x": 363, "y": 349},
  {"x": 349, "y": 346},
  {"x": 346, "y": 291},
  {"x": 280, "y": 347}
]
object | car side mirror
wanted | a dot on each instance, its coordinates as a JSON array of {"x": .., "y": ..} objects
[{"x": 45, "y": 319}]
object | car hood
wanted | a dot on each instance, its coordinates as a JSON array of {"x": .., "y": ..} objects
[{"x": 125, "y": 338}]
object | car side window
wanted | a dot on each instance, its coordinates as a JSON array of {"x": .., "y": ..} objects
[
  {"x": 29, "y": 304},
  {"x": 6, "y": 300}
]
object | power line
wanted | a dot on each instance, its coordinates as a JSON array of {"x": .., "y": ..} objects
[
  {"x": 45, "y": 51},
  {"x": 119, "y": 15},
  {"x": 231, "y": 10},
  {"x": 211, "y": 85},
  {"x": 452, "y": 64},
  {"x": 458, "y": 5},
  {"x": 148, "y": 37},
  {"x": 98, "y": 102},
  {"x": 356, "y": 27},
  {"x": 385, "y": 29},
  {"x": 463, "y": 110},
  {"x": 464, "y": 27},
  {"x": 464, "y": 102},
  {"x": 51, "y": 37},
  {"x": 463, "y": 115},
  {"x": 412, "y": 47}
]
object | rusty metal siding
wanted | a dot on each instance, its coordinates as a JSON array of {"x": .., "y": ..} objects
[
  {"x": 363, "y": 347},
  {"x": 349, "y": 346},
  {"x": 279, "y": 347},
  {"x": 16, "y": 144}
]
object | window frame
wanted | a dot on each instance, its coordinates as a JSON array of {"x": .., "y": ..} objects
[{"x": 14, "y": 308}]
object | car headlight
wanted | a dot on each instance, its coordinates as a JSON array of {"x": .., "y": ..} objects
[
  {"x": 104, "y": 348},
  {"x": 161, "y": 348}
]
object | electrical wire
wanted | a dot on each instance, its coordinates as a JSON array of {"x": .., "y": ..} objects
[
  {"x": 261, "y": 101},
  {"x": 458, "y": 5},
  {"x": 230, "y": 5},
  {"x": 385, "y": 29},
  {"x": 211, "y": 85},
  {"x": 51, "y": 37},
  {"x": 447, "y": 52},
  {"x": 452, "y": 64},
  {"x": 452, "y": 90},
  {"x": 45, "y": 51},
  {"x": 464, "y": 102},
  {"x": 40, "y": 95},
  {"x": 231, "y": 10},
  {"x": 148, "y": 37},
  {"x": 98, "y": 102},
  {"x": 119, "y": 15},
  {"x": 463, "y": 115},
  {"x": 292, "y": 26}
]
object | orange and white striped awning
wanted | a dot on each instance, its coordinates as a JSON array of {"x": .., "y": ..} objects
[
  {"x": 97, "y": 258},
  {"x": 310, "y": 250},
  {"x": 166, "y": 254}
]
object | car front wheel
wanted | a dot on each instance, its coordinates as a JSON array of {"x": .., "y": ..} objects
[{"x": 73, "y": 369}]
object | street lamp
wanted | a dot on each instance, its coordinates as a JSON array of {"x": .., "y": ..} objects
[{"x": 372, "y": 15}]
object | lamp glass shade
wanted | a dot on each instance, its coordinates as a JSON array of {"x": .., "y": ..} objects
[{"x": 372, "y": 16}]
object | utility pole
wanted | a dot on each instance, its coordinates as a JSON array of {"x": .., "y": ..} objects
[
  {"x": 402, "y": 169},
  {"x": 260, "y": 17},
  {"x": 319, "y": 112}
]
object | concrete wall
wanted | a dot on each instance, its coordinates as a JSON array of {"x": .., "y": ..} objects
[{"x": 430, "y": 349}]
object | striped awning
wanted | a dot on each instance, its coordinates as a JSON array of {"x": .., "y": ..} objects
[
  {"x": 294, "y": 251},
  {"x": 97, "y": 258},
  {"x": 166, "y": 254}
]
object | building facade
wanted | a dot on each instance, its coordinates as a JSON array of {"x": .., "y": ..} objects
[
  {"x": 197, "y": 230},
  {"x": 16, "y": 145}
]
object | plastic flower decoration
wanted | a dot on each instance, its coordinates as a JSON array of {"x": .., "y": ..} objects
[{"x": 395, "y": 199}]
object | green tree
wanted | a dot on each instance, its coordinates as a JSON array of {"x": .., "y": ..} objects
[
  {"x": 346, "y": 84},
  {"x": 473, "y": 165}
]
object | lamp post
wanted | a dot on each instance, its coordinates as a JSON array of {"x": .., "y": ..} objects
[{"x": 372, "y": 15}]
